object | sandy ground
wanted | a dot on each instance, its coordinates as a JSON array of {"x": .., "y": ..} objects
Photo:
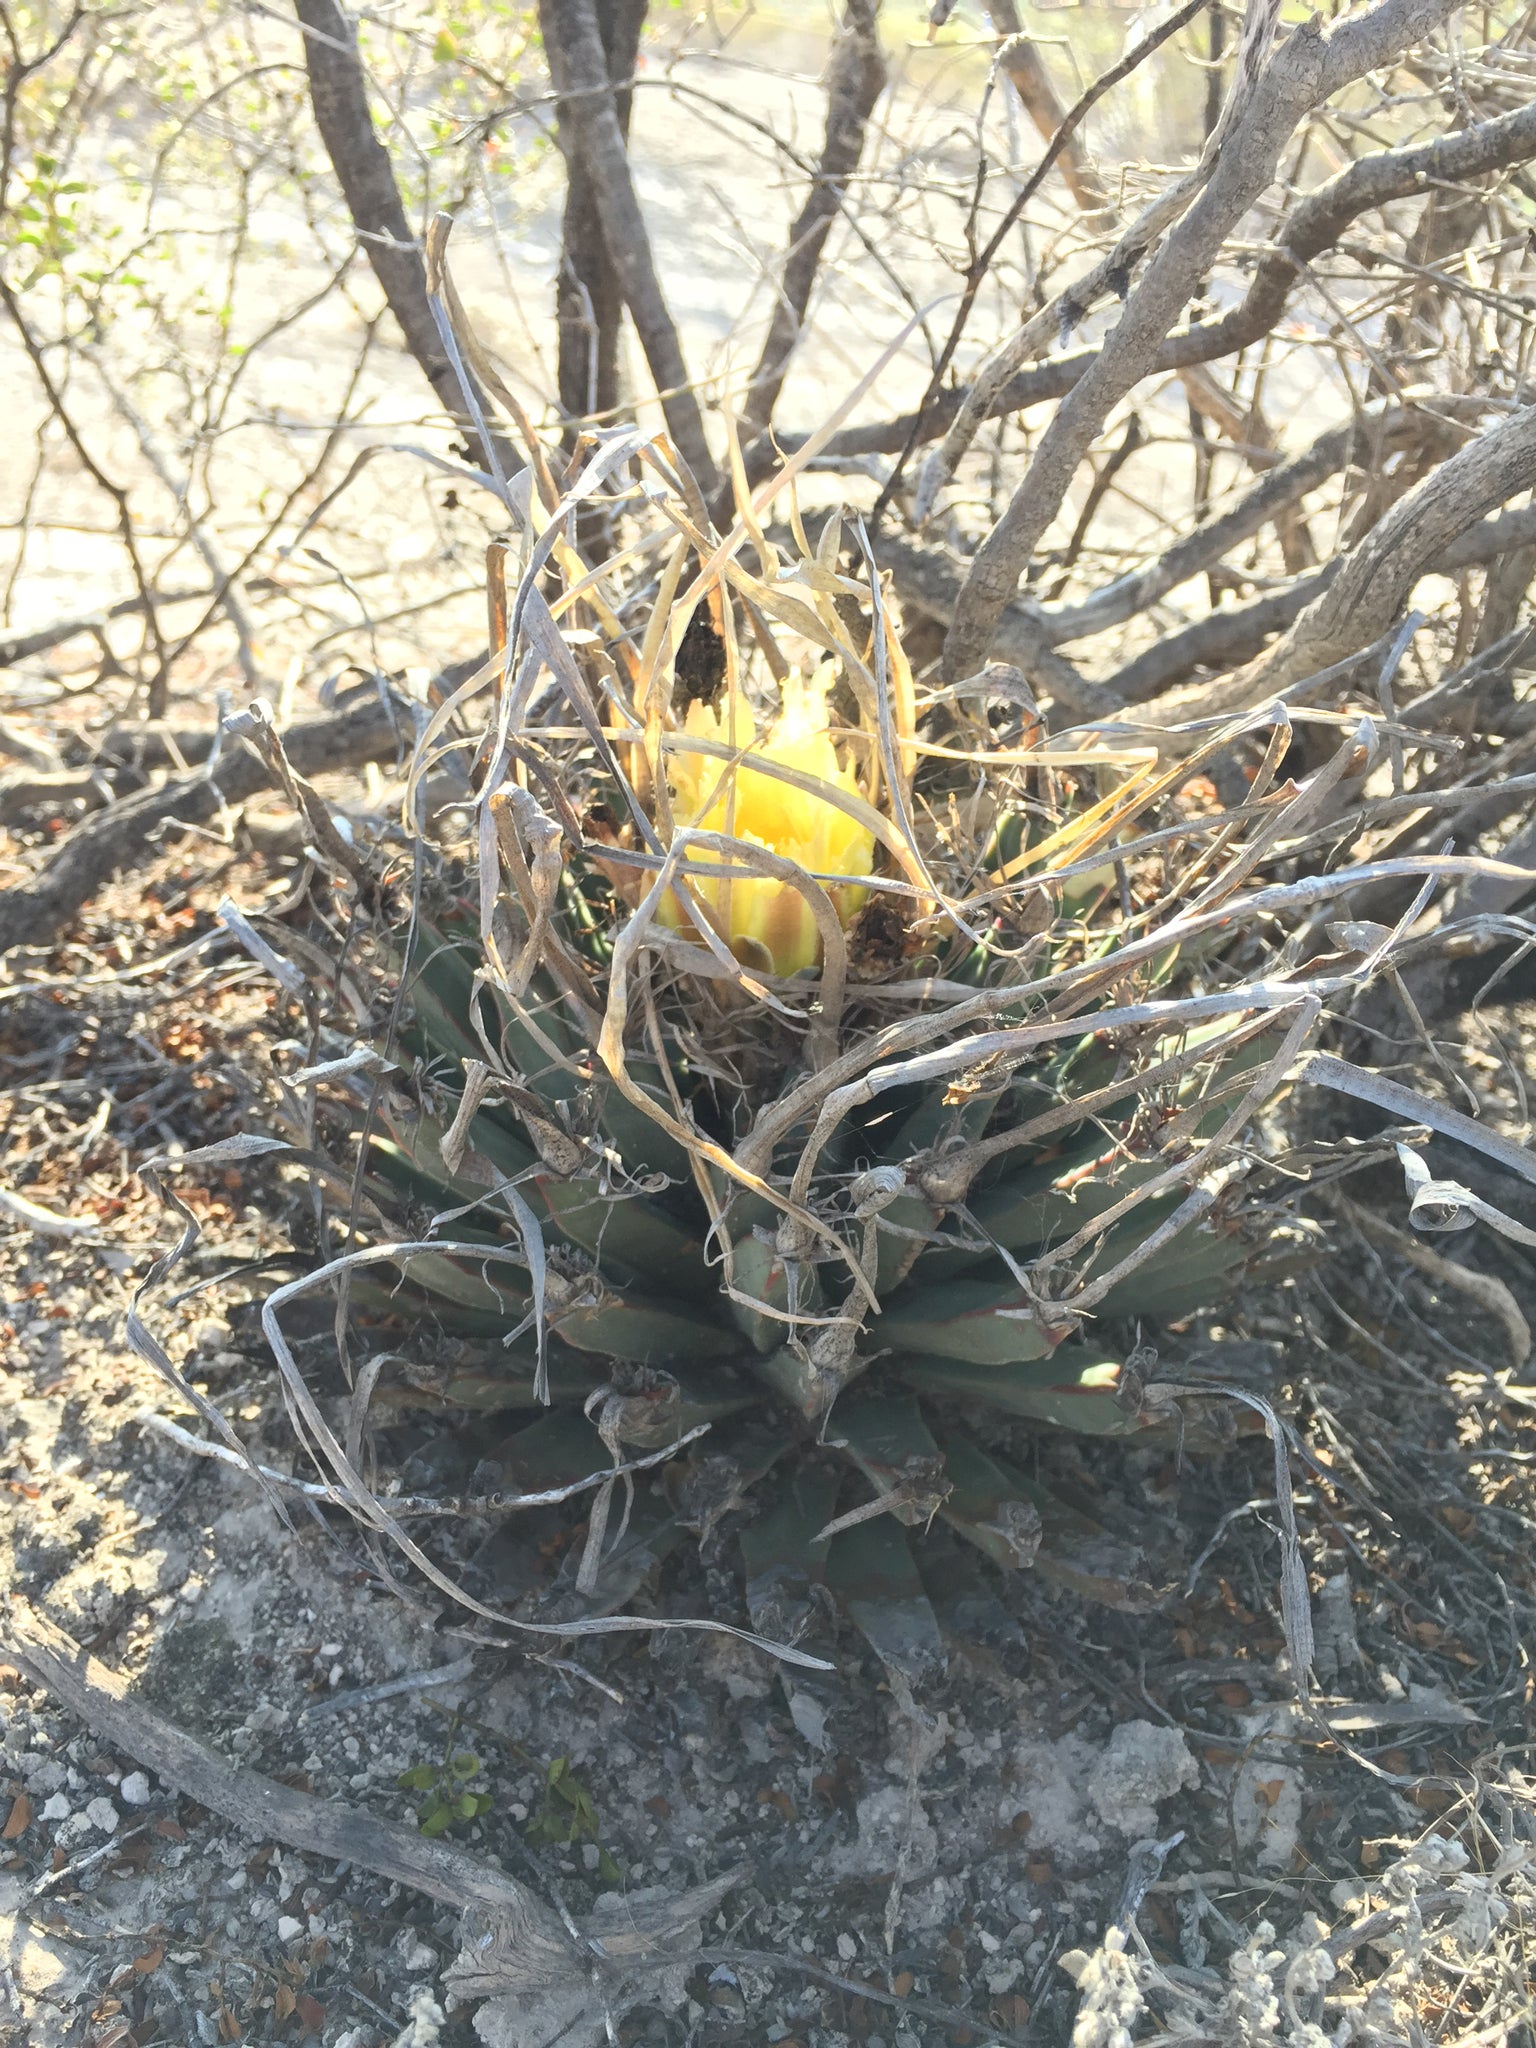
[
  {"x": 942, "y": 1854},
  {"x": 913, "y": 1873}
]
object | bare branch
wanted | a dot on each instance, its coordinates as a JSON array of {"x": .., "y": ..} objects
[
  {"x": 1110, "y": 274},
  {"x": 339, "y": 92},
  {"x": 1315, "y": 224},
  {"x": 1297, "y": 78},
  {"x": 589, "y": 301},
  {"x": 590, "y": 121},
  {"x": 1362, "y": 442},
  {"x": 1364, "y": 596},
  {"x": 854, "y": 84},
  {"x": 1032, "y": 82},
  {"x": 1234, "y": 633},
  {"x": 983, "y": 261},
  {"x": 102, "y": 1700},
  {"x": 33, "y": 911}
]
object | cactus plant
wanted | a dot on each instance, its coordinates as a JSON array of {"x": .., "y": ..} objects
[{"x": 819, "y": 1060}]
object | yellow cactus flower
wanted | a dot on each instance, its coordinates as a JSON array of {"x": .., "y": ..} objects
[{"x": 768, "y": 924}]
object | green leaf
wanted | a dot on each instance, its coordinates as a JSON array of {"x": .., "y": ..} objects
[
  {"x": 437, "y": 1822},
  {"x": 419, "y": 1778},
  {"x": 991, "y": 1505},
  {"x": 464, "y": 1765},
  {"x": 781, "y": 1550},
  {"x": 871, "y": 1571},
  {"x": 637, "y": 1138},
  {"x": 905, "y": 1224},
  {"x": 1197, "y": 1267},
  {"x": 636, "y": 1240},
  {"x": 654, "y": 1532},
  {"x": 758, "y": 1272},
  {"x": 796, "y": 1382},
  {"x": 984, "y": 1322},
  {"x": 646, "y": 1332},
  {"x": 1078, "y": 1389},
  {"x": 885, "y": 1436},
  {"x": 1019, "y": 1523}
]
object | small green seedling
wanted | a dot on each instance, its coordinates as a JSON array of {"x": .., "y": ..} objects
[
  {"x": 448, "y": 1798},
  {"x": 568, "y": 1816}
]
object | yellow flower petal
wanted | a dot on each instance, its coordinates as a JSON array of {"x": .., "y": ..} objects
[{"x": 816, "y": 834}]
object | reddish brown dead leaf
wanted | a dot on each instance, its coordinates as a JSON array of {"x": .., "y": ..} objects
[
  {"x": 18, "y": 1820},
  {"x": 311, "y": 2012},
  {"x": 283, "y": 2002}
]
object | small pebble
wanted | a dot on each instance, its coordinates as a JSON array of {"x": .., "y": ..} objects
[
  {"x": 135, "y": 1789},
  {"x": 289, "y": 1929},
  {"x": 58, "y": 1808},
  {"x": 847, "y": 1947},
  {"x": 102, "y": 1814}
]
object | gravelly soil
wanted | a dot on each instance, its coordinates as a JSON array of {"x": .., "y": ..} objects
[{"x": 940, "y": 1855}]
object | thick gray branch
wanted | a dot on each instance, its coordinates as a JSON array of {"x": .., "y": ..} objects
[
  {"x": 339, "y": 91},
  {"x": 1303, "y": 71},
  {"x": 275, "y": 1812},
  {"x": 589, "y": 302},
  {"x": 1112, "y": 271},
  {"x": 929, "y": 581},
  {"x": 33, "y": 912},
  {"x": 1315, "y": 224},
  {"x": 854, "y": 83},
  {"x": 1234, "y": 633},
  {"x": 1032, "y": 82},
  {"x": 1363, "y": 442},
  {"x": 1367, "y": 590},
  {"x": 589, "y": 126}
]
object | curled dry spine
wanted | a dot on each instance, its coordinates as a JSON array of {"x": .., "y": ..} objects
[{"x": 826, "y": 1216}]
